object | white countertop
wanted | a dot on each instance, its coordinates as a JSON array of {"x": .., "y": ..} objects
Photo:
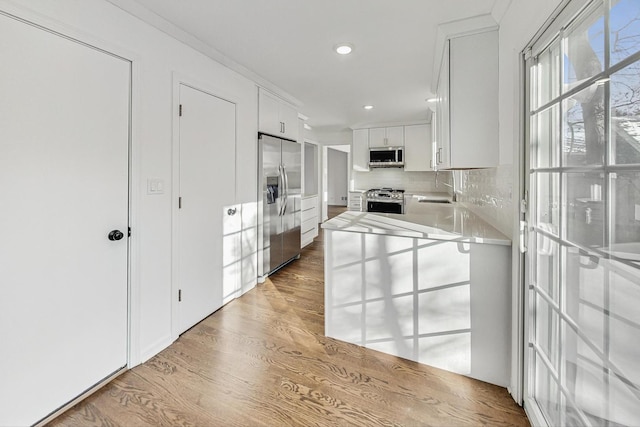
[{"x": 438, "y": 221}]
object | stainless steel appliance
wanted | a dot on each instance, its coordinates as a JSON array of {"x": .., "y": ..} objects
[
  {"x": 280, "y": 196},
  {"x": 386, "y": 157},
  {"x": 385, "y": 200}
]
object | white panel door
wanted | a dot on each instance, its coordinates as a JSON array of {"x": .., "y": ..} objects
[
  {"x": 64, "y": 141},
  {"x": 207, "y": 191}
]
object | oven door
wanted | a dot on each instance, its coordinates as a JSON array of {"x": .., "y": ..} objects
[{"x": 384, "y": 207}]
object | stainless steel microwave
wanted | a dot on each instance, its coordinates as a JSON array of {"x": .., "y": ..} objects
[{"x": 386, "y": 157}]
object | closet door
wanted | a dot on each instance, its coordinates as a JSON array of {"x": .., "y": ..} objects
[
  {"x": 208, "y": 219},
  {"x": 64, "y": 179}
]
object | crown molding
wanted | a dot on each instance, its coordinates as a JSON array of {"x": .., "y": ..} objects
[{"x": 151, "y": 18}]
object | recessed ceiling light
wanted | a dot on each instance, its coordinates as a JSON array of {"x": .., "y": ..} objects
[
  {"x": 343, "y": 48},
  {"x": 367, "y": 107},
  {"x": 431, "y": 99}
]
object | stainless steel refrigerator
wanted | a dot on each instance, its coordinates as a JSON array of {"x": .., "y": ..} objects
[{"x": 280, "y": 193}]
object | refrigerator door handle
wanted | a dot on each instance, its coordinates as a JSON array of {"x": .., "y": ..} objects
[
  {"x": 286, "y": 189},
  {"x": 280, "y": 189}
]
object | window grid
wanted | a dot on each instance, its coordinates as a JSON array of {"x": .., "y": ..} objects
[{"x": 607, "y": 172}]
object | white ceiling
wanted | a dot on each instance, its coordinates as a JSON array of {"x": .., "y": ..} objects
[{"x": 290, "y": 44}]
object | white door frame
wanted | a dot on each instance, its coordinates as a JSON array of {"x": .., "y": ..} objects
[
  {"x": 31, "y": 17},
  {"x": 324, "y": 193},
  {"x": 45, "y": 23},
  {"x": 522, "y": 159}
]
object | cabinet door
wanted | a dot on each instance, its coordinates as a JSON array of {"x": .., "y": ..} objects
[
  {"x": 355, "y": 201},
  {"x": 289, "y": 119},
  {"x": 433, "y": 147},
  {"x": 443, "y": 113},
  {"x": 395, "y": 136},
  {"x": 417, "y": 148},
  {"x": 360, "y": 150},
  {"x": 377, "y": 137},
  {"x": 473, "y": 101},
  {"x": 268, "y": 113}
]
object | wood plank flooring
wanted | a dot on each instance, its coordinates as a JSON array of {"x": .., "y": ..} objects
[{"x": 262, "y": 360}]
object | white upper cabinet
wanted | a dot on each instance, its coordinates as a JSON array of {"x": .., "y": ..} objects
[
  {"x": 289, "y": 119},
  {"x": 442, "y": 122},
  {"x": 386, "y": 137},
  {"x": 276, "y": 117},
  {"x": 360, "y": 150},
  {"x": 417, "y": 148},
  {"x": 467, "y": 107}
]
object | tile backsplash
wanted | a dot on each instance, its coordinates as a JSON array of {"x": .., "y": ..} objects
[
  {"x": 488, "y": 193},
  {"x": 398, "y": 178}
]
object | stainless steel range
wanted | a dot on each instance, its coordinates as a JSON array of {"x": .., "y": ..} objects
[{"x": 385, "y": 200}]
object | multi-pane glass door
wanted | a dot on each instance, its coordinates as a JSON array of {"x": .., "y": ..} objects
[{"x": 583, "y": 263}]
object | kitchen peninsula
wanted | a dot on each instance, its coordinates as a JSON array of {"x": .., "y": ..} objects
[{"x": 430, "y": 285}]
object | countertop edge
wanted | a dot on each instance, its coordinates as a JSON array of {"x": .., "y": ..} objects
[{"x": 413, "y": 230}]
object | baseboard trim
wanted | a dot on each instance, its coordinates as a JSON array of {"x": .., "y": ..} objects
[{"x": 81, "y": 397}]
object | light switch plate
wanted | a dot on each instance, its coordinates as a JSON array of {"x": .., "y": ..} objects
[{"x": 155, "y": 186}]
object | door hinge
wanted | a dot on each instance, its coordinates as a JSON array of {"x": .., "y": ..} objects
[
  {"x": 524, "y": 202},
  {"x": 179, "y": 295},
  {"x": 179, "y": 202},
  {"x": 180, "y": 110},
  {"x": 129, "y": 232}
]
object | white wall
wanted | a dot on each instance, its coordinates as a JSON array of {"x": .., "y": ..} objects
[
  {"x": 337, "y": 177},
  {"x": 157, "y": 58},
  {"x": 520, "y": 22}
]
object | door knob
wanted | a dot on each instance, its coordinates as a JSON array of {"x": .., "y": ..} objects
[{"x": 116, "y": 235}]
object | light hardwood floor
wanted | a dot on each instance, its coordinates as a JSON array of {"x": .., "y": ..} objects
[{"x": 263, "y": 360}]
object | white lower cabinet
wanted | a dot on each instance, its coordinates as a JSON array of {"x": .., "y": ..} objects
[
  {"x": 356, "y": 201},
  {"x": 309, "y": 220},
  {"x": 442, "y": 303}
]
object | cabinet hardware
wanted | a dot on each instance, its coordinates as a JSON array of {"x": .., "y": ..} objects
[
  {"x": 179, "y": 295},
  {"x": 439, "y": 156},
  {"x": 180, "y": 110},
  {"x": 179, "y": 202}
]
